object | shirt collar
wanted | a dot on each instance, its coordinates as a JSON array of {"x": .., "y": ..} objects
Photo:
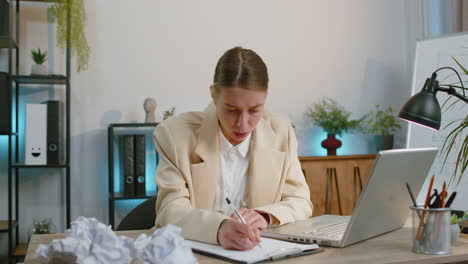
[{"x": 242, "y": 148}]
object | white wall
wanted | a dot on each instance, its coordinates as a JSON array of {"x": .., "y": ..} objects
[{"x": 358, "y": 52}]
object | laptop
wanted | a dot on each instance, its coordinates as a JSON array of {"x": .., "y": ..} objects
[{"x": 383, "y": 205}]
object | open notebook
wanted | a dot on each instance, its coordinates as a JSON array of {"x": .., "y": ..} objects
[{"x": 272, "y": 249}]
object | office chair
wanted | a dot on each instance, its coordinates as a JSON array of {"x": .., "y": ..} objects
[{"x": 141, "y": 217}]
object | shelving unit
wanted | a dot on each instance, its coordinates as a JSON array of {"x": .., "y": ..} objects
[
  {"x": 28, "y": 79},
  {"x": 11, "y": 226},
  {"x": 111, "y": 134}
]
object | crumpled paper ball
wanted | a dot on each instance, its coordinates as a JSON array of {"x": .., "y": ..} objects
[{"x": 90, "y": 242}]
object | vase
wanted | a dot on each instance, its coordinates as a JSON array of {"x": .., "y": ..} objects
[
  {"x": 331, "y": 144},
  {"x": 454, "y": 233},
  {"x": 383, "y": 142},
  {"x": 39, "y": 69}
]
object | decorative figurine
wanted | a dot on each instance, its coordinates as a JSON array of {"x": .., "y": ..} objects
[{"x": 150, "y": 107}]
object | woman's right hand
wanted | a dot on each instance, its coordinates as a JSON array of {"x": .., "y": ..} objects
[{"x": 233, "y": 234}]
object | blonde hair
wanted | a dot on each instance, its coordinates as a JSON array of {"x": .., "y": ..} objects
[{"x": 243, "y": 68}]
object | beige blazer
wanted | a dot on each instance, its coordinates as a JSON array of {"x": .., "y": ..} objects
[{"x": 188, "y": 172}]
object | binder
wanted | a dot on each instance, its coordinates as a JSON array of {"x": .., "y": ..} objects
[
  {"x": 140, "y": 165},
  {"x": 271, "y": 250},
  {"x": 54, "y": 142},
  {"x": 127, "y": 150},
  {"x": 5, "y": 103},
  {"x": 36, "y": 135}
]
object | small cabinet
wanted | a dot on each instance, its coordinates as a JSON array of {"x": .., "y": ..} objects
[
  {"x": 335, "y": 182},
  {"x": 115, "y": 133}
]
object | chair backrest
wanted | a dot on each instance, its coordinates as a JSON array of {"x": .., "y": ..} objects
[{"x": 141, "y": 217}]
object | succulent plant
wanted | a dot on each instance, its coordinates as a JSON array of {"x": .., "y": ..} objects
[{"x": 38, "y": 56}]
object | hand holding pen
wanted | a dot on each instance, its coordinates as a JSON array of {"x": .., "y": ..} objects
[
  {"x": 234, "y": 234},
  {"x": 239, "y": 216},
  {"x": 251, "y": 217}
]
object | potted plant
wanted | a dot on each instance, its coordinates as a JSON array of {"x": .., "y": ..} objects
[
  {"x": 383, "y": 124},
  {"x": 457, "y": 222},
  {"x": 334, "y": 119},
  {"x": 455, "y": 136},
  {"x": 42, "y": 226},
  {"x": 39, "y": 58},
  {"x": 169, "y": 113},
  {"x": 79, "y": 47}
]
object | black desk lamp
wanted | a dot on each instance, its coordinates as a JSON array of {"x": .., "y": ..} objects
[{"x": 423, "y": 108}]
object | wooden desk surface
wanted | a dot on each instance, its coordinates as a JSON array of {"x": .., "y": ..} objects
[
  {"x": 393, "y": 247},
  {"x": 338, "y": 157}
]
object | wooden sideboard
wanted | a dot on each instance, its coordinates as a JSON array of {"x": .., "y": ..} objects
[{"x": 335, "y": 182}]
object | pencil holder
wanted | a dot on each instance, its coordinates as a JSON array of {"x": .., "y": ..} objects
[{"x": 431, "y": 230}]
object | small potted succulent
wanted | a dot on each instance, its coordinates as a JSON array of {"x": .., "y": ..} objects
[
  {"x": 39, "y": 57},
  {"x": 42, "y": 226},
  {"x": 383, "y": 124},
  {"x": 455, "y": 222},
  {"x": 334, "y": 119}
]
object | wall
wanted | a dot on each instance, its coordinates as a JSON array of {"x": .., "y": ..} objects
[{"x": 358, "y": 52}]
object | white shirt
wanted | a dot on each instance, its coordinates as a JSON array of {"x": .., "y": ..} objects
[{"x": 232, "y": 182}]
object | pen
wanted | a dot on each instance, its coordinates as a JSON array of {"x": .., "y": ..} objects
[
  {"x": 236, "y": 212},
  {"x": 450, "y": 199},
  {"x": 239, "y": 215}
]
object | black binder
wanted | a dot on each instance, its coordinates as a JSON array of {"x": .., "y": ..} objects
[
  {"x": 127, "y": 150},
  {"x": 4, "y": 18},
  {"x": 5, "y": 103},
  {"x": 54, "y": 131},
  {"x": 140, "y": 165}
]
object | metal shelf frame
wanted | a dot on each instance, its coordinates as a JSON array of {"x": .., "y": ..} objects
[{"x": 13, "y": 140}]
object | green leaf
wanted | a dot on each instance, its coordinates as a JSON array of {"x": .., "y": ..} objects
[
  {"x": 38, "y": 56},
  {"x": 459, "y": 65},
  {"x": 331, "y": 116},
  {"x": 380, "y": 122}
]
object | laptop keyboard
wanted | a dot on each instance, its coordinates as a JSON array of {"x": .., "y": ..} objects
[{"x": 333, "y": 231}]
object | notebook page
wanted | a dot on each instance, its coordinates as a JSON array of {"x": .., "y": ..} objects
[{"x": 270, "y": 247}]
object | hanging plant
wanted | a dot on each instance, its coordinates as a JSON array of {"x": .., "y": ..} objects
[{"x": 79, "y": 47}]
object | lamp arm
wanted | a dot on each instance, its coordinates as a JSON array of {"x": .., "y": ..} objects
[
  {"x": 453, "y": 92},
  {"x": 434, "y": 75}
]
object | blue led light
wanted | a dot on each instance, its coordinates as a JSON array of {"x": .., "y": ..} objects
[{"x": 130, "y": 203}]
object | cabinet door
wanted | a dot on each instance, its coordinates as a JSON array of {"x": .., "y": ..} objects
[{"x": 336, "y": 194}]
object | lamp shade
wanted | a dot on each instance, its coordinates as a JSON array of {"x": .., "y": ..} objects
[{"x": 423, "y": 108}]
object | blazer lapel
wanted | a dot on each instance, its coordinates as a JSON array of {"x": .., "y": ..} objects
[
  {"x": 266, "y": 166},
  {"x": 205, "y": 174}
]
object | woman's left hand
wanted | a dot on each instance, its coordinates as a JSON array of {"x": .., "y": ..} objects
[{"x": 253, "y": 218}]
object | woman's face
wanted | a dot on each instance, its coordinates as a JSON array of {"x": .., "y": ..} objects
[{"x": 239, "y": 111}]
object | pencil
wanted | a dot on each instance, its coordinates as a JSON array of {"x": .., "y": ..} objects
[
  {"x": 421, "y": 220},
  {"x": 443, "y": 195}
]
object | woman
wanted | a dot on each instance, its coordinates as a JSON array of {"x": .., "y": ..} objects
[{"x": 235, "y": 150}]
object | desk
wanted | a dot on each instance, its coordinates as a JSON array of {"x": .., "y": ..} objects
[{"x": 393, "y": 247}]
